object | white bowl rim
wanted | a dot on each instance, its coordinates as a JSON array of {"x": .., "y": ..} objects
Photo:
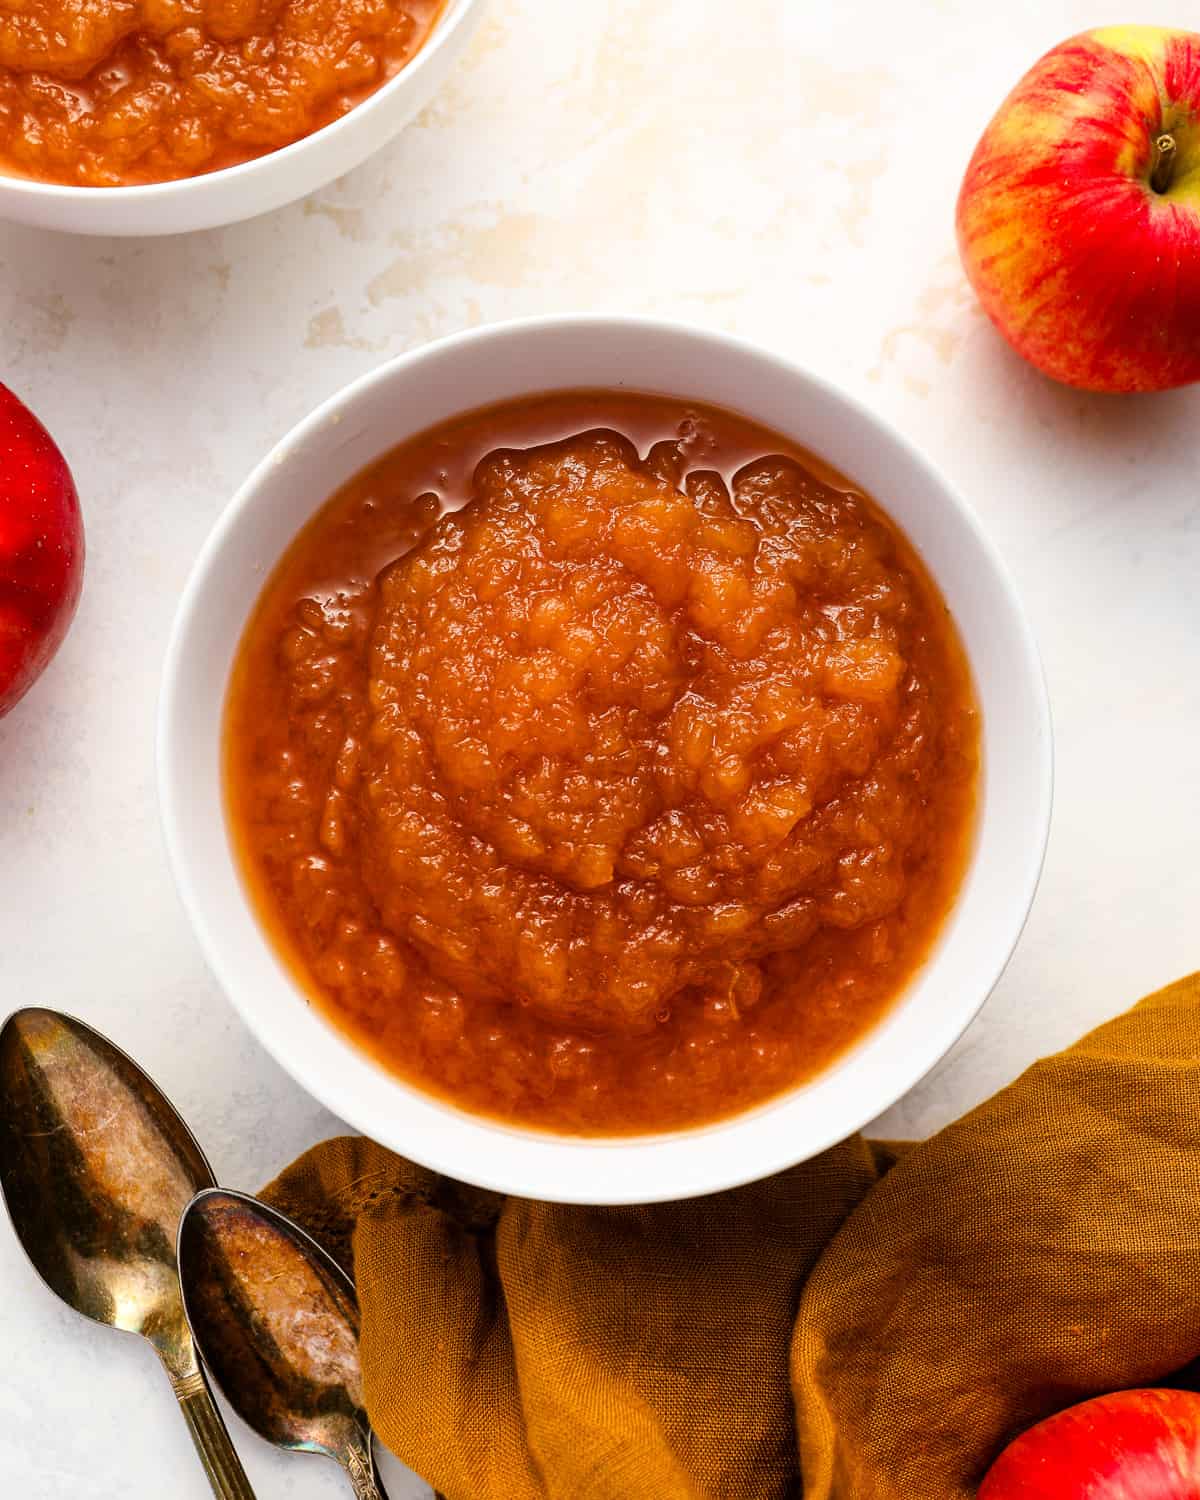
[
  {"x": 538, "y": 1164},
  {"x": 455, "y": 14}
]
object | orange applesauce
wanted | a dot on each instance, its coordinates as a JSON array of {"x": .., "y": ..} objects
[
  {"x": 108, "y": 93},
  {"x": 602, "y": 762}
]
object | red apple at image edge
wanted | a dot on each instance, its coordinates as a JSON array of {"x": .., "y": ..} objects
[
  {"x": 1079, "y": 217},
  {"x": 1132, "y": 1445},
  {"x": 41, "y": 549}
]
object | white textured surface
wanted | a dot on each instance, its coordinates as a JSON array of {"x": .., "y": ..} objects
[{"x": 789, "y": 174}]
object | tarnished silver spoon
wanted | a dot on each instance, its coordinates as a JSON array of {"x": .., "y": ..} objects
[
  {"x": 276, "y": 1322},
  {"x": 96, "y": 1169}
]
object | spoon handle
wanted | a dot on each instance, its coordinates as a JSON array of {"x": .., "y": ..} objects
[
  {"x": 359, "y": 1463},
  {"x": 212, "y": 1440}
]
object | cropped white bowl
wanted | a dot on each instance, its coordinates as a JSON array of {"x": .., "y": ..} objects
[
  {"x": 256, "y": 186},
  {"x": 516, "y": 359}
]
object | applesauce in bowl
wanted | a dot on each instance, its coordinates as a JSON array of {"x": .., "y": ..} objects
[
  {"x": 376, "y": 488},
  {"x": 602, "y": 762},
  {"x": 123, "y": 93},
  {"x": 125, "y": 117}
]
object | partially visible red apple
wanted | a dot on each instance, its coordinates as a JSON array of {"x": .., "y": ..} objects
[
  {"x": 1133, "y": 1445},
  {"x": 41, "y": 549},
  {"x": 1079, "y": 218}
]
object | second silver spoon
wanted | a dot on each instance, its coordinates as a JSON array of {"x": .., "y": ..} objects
[{"x": 276, "y": 1322}]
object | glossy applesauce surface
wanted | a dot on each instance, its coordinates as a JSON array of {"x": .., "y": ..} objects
[
  {"x": 105, "y": 93},
  {"x": 602, "y": 762}
]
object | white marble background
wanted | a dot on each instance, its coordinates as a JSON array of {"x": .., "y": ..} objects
[{"x": 783, "y": 168}]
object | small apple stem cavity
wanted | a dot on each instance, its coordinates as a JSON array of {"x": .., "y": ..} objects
[{"x": 1165, "y": 148}]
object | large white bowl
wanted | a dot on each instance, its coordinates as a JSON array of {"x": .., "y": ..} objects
[
  {"x": 516, "y": 359},
  {"x": 255, "y": 186}
]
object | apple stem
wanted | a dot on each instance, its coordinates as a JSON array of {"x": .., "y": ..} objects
[{"x": 1165, "y": 148}]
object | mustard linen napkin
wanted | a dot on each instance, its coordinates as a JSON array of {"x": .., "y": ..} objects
[{"x": 872, "y": 1325}]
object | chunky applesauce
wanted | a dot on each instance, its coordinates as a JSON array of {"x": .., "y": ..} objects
[
  {"x": 602, "y": 762},
  {"x": 104, "y": 93}
]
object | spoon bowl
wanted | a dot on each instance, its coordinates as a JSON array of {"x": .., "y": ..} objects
[
  {"x": 276, "y": 1320},
  {"x": 96, "y": 1169}
]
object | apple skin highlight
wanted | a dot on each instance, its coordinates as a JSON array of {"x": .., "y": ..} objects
[
  {"x": 1082, "y": 244},
  {"x": 1131, "y": 1445}
]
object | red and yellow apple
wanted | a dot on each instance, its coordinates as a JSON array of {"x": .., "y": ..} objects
[
  {"x": 41, "y": 549},
  {"x": 1132, "y": 1445},
  {"x": 1079, "y": 217}
]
